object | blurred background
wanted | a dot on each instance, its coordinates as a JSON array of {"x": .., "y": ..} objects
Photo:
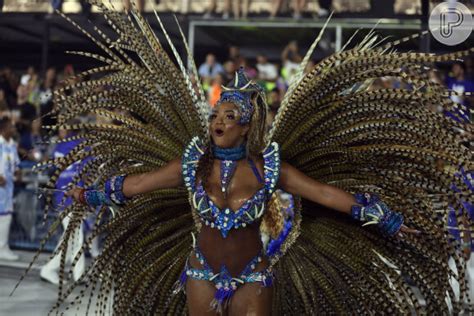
[{"x": 268, "y": 38}]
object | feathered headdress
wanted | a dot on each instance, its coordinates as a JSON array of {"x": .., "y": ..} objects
[{"x": 240, "y": 93}]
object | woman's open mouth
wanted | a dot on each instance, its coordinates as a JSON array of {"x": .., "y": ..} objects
[{"x": 219, "y": 132}]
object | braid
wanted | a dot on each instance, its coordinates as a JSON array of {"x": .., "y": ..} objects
[
  {"x": 272, "y": 222},
  {"x": 257, "y": 131}
]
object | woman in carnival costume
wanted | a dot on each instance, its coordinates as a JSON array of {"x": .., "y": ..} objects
[{"x": 226, "y": 237}]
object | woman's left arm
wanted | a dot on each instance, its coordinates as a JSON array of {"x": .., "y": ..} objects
[{"x": 297, "y": 183}]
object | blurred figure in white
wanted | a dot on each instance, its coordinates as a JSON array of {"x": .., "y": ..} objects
[
  {"x": 9, "y": 162},
  {"x": 266, "y": 70},
  {"x": 49, "y": 272},
  {"x": 290, "y": 60}
]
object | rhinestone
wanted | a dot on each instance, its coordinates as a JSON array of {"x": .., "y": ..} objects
[
  {"x": 227, "y": 211},
  {"x": 244, "y": 224},
  {"x": 212, "y": 225},
  {"x": 188, "y": 272}
]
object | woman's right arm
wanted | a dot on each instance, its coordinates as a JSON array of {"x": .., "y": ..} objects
[{"x": 167, "y": 177}]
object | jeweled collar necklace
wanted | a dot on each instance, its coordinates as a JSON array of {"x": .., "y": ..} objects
[{"x": 232, "y": 154}]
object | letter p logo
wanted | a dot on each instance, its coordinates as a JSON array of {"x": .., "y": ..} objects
[
  {"x": 450, "y": 23},
  {"x": 450, "y": 19}
]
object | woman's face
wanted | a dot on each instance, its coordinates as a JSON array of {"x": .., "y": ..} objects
[{"x": 224, "y": 127}]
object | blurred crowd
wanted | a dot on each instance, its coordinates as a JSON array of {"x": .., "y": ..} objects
[
  {"x": 235, "y": 9},
  {"x": 276, "y": 75},
  {"x": 26, "y": 97}
]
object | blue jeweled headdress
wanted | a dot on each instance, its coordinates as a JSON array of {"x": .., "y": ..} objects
[{"x": 240, "y": 93}]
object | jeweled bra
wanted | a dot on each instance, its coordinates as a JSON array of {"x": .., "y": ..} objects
[{"x": 226, "y": 219}]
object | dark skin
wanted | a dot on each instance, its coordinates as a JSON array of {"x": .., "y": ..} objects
[{"x": 251, "y": 298}]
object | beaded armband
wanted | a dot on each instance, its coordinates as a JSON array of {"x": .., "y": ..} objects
[
  {"x": 95, "y": 198},
  {"x": 112, "y": 195},
  {"x": 114, "y": 189},
  {"x": 372, "y": 210}
]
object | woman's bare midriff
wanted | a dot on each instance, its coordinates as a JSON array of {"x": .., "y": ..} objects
[
  {"x": 235, "y": 251},
  {"x": 243, "y": 244}
]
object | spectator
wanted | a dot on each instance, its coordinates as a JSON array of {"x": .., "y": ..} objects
[
  {"x": 8, "y": 85},
  {"x": 298, "y": 8},
  {"x": 266, "y": 71},
  {"x": 274, "y": 101},
  {"x": 8, "y": 166},
  {"x": 234, "y": 53},
  {"x": 459, "y": 83},
  {"x": 30, "y": 146},
  {"x": 210, "y": 68},
  {"x": 3, "y": 104},
  {"x": 215, "y": 89},
  {"x": 85, "y": 6},
  {"x": 46, "y": 97},
  {"x": 236, "y": 8},
  {"x": 212, "y": 8},
  {"x": 229, "y": 71},
  {"x": 24, "y": 112},
  {"x": 249, "y": 70},
  {"x": 291, "y": 60}
]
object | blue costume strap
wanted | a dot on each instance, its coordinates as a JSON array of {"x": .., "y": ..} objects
[
  {"x": 225, "y": 284},
  {"x": 189, "y": 163},
  {"x": 374, "y": 211},
  {"x": 255, "y": 170}
]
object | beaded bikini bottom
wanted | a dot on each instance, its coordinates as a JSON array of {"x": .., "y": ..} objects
[{"x": 225, "y": 284}]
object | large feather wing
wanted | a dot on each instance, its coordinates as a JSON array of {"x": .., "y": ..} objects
[
  {"x": 337, "y": 128},
  {"x": 147, "y": 110}
]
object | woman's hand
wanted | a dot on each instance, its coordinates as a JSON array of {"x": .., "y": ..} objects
[
  {"x": 75, "y": 193},
  {"x": 406, "y": 230}
]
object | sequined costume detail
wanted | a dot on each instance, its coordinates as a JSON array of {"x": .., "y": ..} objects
[{"x": 227, "y": 219}]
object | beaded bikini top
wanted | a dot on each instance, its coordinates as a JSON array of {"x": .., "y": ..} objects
[{"x": 225, "y": 219}]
